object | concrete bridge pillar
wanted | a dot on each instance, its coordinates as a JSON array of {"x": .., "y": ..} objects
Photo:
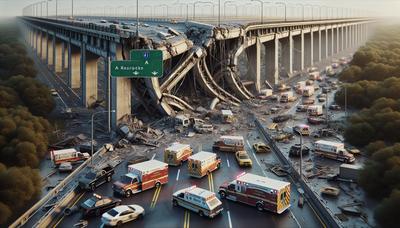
[
  {"x": 316, "y": 46},
  {"x": 298, "y": 52},
  {"x": 308, "y": 49},
  {"x": 346, "y": 37},
  {"x": 39, "y": 47},
  {"x": 65, "y": 55},
  {"x": 254, "y": 58},
  {"x": 35, "y": 41},
  {"x": 50, "y": 51},
  {"x": 44, "y": 47},
  {"x": 287, "y": 54},
  {"x": 121, "y": 89},
  {"x": 74, "y": 66},
  {"x": 324, "y": 44},
  {"x": 341, "y": 38},
  {"x": 336, "y": 44},
  {"x": 58, "y": 56},
  {"x": 89, "y": 78},
  {"x": 272, "y": 61},
  {"x": 329, "y": 33}
]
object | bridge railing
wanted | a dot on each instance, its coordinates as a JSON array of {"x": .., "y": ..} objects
[{"x": 24, "y": 218}]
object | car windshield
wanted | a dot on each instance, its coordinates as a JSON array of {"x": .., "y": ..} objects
[
  {"x": 90, "y": 202},
  {"x": 90, "y": 175},
  {"x": 126, "y": 180},
  {"x": 243, "y": 156},
  {"x": 112, "y": 212},
  {"x": 213, "y": 203}
]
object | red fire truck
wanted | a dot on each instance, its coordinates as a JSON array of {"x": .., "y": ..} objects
[{"x": 262, "y": 192}]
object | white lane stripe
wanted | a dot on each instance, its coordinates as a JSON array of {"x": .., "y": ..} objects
[
  {"x": 227, "y": 161},
  {"x": 154, "y": 155},
  {"x": 255, "y": 158},
  {"x": 295, "y": 219},
  {"x": 177, "y": 175},
  {"x": 229, "y": 219}
]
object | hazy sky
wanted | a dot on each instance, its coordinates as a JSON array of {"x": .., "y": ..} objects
[{"x": 14, "y": 7}]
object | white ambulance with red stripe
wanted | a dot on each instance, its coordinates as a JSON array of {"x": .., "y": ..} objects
[
  {"x": 262, "y": 192},
  {"x": 67, "y": 155}
]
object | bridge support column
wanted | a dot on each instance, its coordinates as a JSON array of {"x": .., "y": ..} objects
[
  {"x": 65, "y": 55},
  {"x": 44, "y": 47},
  {"x": 254, "y": 58},
  {"x": 341, "y": 38},
  {"x": 308, "y": 49},
  {"x": 336, "y": 44},
  {"x": 74, "y": 67},
  {"x": 324, "y": 44},
  {"x": 89, "y": 78},
  {"x": 50, "y": 51},
  {"x": 298, "y": 52},
  {"x": 329, "y": 33},
  {"x": 272, "y": 61},
  {"x": 346, "y": 37},
  {"x": 121, "y": 90},
  {"x": 58, "y": 57},
  {"x": 35, "y": 41},
  {"x": 316, "y": 46},
  {"x": 39, "y": 47},
  {"x": 287, "y": 54}
]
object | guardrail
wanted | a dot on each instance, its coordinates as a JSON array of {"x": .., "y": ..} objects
[
  {"x": 24, "y": 218},
  {"x": 324, "y": 213}
]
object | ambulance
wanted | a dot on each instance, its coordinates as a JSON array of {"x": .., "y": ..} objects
[
  {"x": 264, "y": 193},
  {"x": 67, "y": 155},
  {"x": 199, "y": 200},
  {"x": 202, "y": 163},
  {"x": 177, "y": 153},
  {"x": 229, "y": 143}
]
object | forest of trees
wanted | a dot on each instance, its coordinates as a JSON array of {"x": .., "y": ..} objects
[
  {"x": 372, "y": 84},
  {"x": 24, "y": 130}
]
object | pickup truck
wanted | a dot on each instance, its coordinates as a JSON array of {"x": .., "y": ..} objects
[{"x": 96, "y": 177}]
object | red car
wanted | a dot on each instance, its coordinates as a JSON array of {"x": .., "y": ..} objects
[{"x": 315, "y": 120}]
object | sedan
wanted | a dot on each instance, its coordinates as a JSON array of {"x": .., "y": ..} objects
[
  {"x": 243, "y": 158},
  {"x": 261, "y": 148},
  {"x": 97, "y": 204},
  {"x": 122, "y": 214}
]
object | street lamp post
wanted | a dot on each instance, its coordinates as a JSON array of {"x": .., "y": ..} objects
[
  {"x": 302, "y": 6},
  {"x": 262, "y": 9},
  {"x": 284, "y": 4},
  {"x": 72, "y": 9},
  {"x": 194, "y": 7},
  {"x": 232, "y": 3},
  {"x": 92, "y": 133}
]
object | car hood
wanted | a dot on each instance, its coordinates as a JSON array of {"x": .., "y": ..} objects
[
  {"x": 84, "y": 180},
  {"x": 107, "y": 216},
  {"x": 119, "y": 184}
]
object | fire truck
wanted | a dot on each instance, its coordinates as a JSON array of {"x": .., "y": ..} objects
[{"x": 262, "y": 192}]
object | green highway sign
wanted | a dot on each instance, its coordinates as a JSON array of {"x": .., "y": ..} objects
[{"x": 143, "y": 64}]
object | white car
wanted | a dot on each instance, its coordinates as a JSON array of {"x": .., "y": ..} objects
[
  {"x": 65, "y": 167},
  {"x": 122, "y": 214}
]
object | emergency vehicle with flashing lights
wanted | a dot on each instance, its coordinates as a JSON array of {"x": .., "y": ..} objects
[{"x": 202, "y": 163}]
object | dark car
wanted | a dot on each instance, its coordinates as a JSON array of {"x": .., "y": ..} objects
[
  {"x": 316, "y": 120},
  {"x": 281, "y": 118},
  {"x": 96, "y": 177},
  {"x": 295, "y": 150},
  {"x": 335, "y": 107},
  {"x": 326, "y": 90},
  {"x": 97, "y": 205}
]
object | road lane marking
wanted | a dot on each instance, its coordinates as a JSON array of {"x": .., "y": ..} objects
[
  {"x": 295, "y": 219},
  {"x": 177, "y": 175},
  {"x": 229, "y": 219},
  {"x": 227, "y": 161},
  {"x": 255, "y": 158},
  {"x": 155, "y": 197},
  {"x": 62, "y": 218},
  {"x": 210, "y": 182},
  {"x": 186, "y": 221},
  {"x": 154, "y": 155}
]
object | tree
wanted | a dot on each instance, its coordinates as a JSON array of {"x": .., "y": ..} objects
[
  {"x": 359, "y": 134},
  {"x": 387, "y": 212}
]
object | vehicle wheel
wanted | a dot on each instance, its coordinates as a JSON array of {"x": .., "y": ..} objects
[
  {"x": 201, "y": 213},
  {"x": 219, "y": 165},
  {"x": 108, "y": 178},
  {"x": 97, "y": 212},
  {"x": 158, "y": 184},
  {"x": 222, "y": 194},
  {"x": 93, "y": 187},
  {"x": 259, "y": 207},
  {"x": 175, "y": 203},
  {"x": 119, "y": 223},
  {"x": 128, "y": 193}
]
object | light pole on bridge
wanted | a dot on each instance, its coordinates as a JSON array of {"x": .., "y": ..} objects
[
  {"x": 262, "y": 8},
  {"x": 285, "y": 5},
  {"x": 232, "y": 3},
  {"x": 302, "y": 7},
  {"x": 194, "y": 7}
]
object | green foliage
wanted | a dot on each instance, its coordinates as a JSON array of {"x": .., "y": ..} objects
[
  {"x": 18, "y": 186},
  {"x": 24, "y": 137},
  {"x": 387, "y": 213},
  {"x": 35, "y": 96}
]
